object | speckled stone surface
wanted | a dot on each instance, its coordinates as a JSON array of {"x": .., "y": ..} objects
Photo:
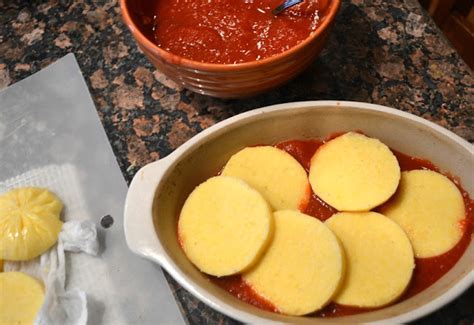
[{"x": 384, "y": 52}]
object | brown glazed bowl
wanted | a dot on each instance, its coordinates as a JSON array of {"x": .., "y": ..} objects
[{"x": 230, "y": 80}]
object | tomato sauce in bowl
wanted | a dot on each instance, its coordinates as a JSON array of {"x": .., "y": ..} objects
[
  {"x": 427, "y": 270},
  {"x": 230, "y": 31}
]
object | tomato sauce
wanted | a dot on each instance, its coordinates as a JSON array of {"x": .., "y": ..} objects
[
  {"x": 240, "y": 289},
  {"x": 228, "y": 31},
  {"x": 427, "y": 270}
]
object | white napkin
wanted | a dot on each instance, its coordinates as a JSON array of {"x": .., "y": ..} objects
[{"x": 62, "y": 305}]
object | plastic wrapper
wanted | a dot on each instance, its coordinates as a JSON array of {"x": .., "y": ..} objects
[{"x": 50, "y": 119}]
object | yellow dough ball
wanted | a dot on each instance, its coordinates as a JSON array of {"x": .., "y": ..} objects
[
  {"x": 302, "y": 268},
  {"x": 430, "y": 208},
  {"x": 29, "y": 223},
  {"x": 224, "y": 226},
  {"x": 379, "y": 258},
  {"x": 274, "y": 173},
  {"x": 354, "y": 172},
  {"x": 21, "y": 297}
]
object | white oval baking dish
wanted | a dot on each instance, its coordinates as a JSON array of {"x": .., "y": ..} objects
[{"x": 159, "y": 189}]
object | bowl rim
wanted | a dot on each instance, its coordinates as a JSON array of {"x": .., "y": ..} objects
[
  {"x": 167, "y": 163},
  {"x": 176, "y": 59}
]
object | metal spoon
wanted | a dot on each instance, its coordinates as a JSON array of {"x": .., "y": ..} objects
[{"x": 285, "y": 5}]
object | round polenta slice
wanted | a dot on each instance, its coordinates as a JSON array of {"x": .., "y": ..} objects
[
  {"x": 274, "y": 173},
  {"x": 379, "y": 258},
  {"x": 21, "y": 297},
  {"x": 354, "y": 172},
  {"x": 303, "y": 266},
  {"x": 224, "y": 226},
  {"x": 430, "y": 208}
]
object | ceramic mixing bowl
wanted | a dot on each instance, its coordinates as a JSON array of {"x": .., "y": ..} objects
[
  {"x": 231, "y": 80},
  {"x": 159, "y": 190}
]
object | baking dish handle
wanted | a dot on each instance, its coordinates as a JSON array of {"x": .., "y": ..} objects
[{"x": 139, "y": 230}]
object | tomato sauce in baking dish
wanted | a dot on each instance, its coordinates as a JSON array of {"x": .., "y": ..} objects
[
  {"x": 230, "y": 31},
  {"x": 427, "y": 270}
]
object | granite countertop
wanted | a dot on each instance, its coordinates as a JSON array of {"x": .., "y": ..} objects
[{"x": 384, "y": 52}]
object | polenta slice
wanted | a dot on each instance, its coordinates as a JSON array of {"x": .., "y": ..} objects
[
  {"x": 303, "y": 266},
  {"x": 379, "y": 258},
  {"x": 430, "y": 208},
  {"x": 21, "y": 297},
  {"x": 29, "y": 222},
  {"x": 354, "y": 172},
  {"x": 274, "y": 173},
  {"x": 224, "y": 226}
]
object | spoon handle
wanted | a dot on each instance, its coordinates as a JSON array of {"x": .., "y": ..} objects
[{"x": 285, "y": 5}]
